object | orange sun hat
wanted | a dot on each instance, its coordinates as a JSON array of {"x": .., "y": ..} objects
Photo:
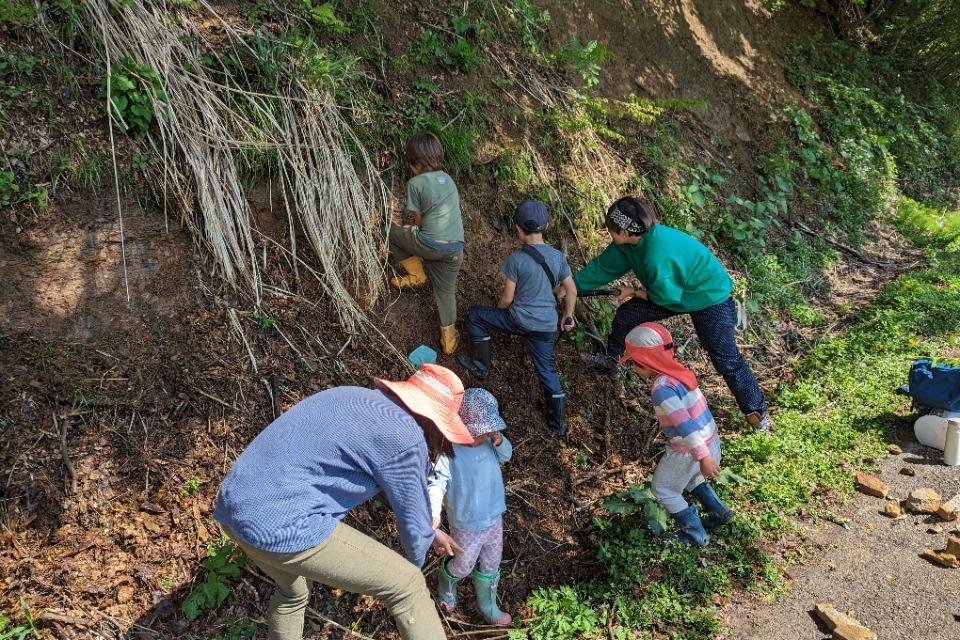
[{"x": 435, "y": 393}]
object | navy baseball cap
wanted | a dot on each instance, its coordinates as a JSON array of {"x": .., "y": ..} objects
[{"x": 531, "y": 216}]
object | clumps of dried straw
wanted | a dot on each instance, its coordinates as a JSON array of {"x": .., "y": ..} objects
[{"x": 332, "y": 192}]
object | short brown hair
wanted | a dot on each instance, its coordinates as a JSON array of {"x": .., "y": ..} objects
[{"x": 425, "y": 151}]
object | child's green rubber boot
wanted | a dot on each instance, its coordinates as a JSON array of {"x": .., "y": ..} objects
[
  {"x": 447, "y": 588},
  {"x": 485, "y": 585}
]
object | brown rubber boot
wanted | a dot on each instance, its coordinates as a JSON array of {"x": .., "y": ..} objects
[
  {"x": 415, "y": 275},
  {"x": 449, "y": 338}
]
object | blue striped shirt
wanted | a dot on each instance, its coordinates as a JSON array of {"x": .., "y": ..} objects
[{"x": 333, "y": 451}]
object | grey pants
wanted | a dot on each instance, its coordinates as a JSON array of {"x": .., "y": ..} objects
[
  {"x": 677, "y": 472},
  {"x": 442, "y": 268},
  {"x": 353, "y": 562}
]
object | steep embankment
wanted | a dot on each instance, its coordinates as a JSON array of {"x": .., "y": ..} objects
[{"x": 121, "y": 413}]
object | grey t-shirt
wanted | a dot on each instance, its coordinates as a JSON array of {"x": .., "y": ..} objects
[{"x": 534, "y": 307}]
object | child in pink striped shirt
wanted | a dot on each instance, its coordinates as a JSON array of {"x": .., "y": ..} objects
[{"x": 692, "y": 456}]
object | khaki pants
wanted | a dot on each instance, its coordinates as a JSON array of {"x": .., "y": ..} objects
[
  {"x": 353, "y": 562},
  {"x": 442, "y": 268}
]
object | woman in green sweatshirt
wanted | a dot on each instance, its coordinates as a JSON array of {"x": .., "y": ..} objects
[{"x": 678, "y": 275}]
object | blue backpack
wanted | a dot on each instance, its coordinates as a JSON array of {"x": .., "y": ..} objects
[{"x": 936, "y": 386}]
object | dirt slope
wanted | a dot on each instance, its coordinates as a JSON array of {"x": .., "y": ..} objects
[{"x": 160, "y": 394}]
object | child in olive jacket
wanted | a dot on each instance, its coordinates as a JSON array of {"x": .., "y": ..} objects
[{"x": 432, "y": 247}]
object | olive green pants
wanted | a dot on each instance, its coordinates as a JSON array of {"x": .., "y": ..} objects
[
  {"x": 351, "y": 561},
  {"x": 442, "y": 268}
]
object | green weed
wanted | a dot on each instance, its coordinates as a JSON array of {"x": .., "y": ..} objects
[
  {"x": 584, "y": 58},
  {"x": 191, "y": 486},
  {"x": 21, "y": 631},
  {"x": 16, "y": 12},
  {"x": 529, "y": 21},
  {"x": 324, "y": 16},
  {"x": 561, "y": 613},
  {"x": 927, "y": 225},
  {"x": 264, "y": 321},
  {"x": 513, "y": 167},
  {"x": 79, "y": 167},
  {"x": 8, "y": 188},
  {"x": 222, "y": 564},
  {"x": 238, "y": 630},
  {"x": 457, "y": 47},
  {"x": 133, "y": 88}
]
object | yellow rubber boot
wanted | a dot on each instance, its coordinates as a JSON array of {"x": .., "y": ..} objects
[
  {"x": 449, "y": 338},
  {"x": 415, "y": 275}
]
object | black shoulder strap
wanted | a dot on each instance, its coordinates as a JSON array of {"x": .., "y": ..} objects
[{"x": 538, "y": 258}]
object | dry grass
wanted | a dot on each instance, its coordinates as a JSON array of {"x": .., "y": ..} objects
[{"x": 331, "y": 191}]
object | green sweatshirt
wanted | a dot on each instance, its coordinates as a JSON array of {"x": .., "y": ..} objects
[{"x": 676, "y": 269}]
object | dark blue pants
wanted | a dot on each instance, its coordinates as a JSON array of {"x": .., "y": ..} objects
[
  {"x": 715, "y": 327},
  {"x": 538, "y": 344}
]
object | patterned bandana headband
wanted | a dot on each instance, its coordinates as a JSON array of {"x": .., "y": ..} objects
[{"x": 625, "y": 222}]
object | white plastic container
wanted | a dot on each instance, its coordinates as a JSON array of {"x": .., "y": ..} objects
[
  {"x": 951, "y": 449},
  {"x": 931, "y": 430}
]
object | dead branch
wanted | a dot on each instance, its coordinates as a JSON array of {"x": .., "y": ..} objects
[
  {"x": 63, "y": 450},
  {"x": 839, "y": 245},
  {"x": 53, "y": 616}
]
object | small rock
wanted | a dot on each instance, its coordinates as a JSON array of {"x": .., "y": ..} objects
[
  {"x": 872, "y": 485},
  {"x": 935, "y": 529},
  {"x": 950, "y": 509},
  {"x": 892, "y": 510},
  {"x": 953, "y": 546},
  {"x": 834, "y": 618},
  {"x": 833, "y": 566},
  {"x": 894, "y": 449},
  {"x": 923, "y": 501},
  {"x": 908, "y": 471},
  {"x": 844, "y": 626},
  {"x": 853, "y": 632},
  {"x": 941, "y": 558}
]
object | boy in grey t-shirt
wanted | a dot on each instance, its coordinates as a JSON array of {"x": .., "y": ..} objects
[{"x": 528, "y": 308}]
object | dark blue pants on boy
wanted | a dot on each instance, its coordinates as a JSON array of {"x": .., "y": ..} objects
[
  {"x": 715, "y": 327},
  {"x": 539, "y": 344}
]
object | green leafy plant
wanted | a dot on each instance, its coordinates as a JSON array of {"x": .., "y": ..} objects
[
  {"x": 324, "y": 15},
  {"x": 238, "y": 630},
  {"x": 8, "y": 188},
  {"x": 133, "y": 89},
  {"x": 560, "y": 614},
  {"x": 16, "y": 12},
  {"x": 264, "y": 321},
  {"x": 639, "y": 498},
  {"x": 451, "y": 50},
  {"x": 191, "y": 486},
  {"x": 222, "y": 564},
  {"x": 585, "y": 58},
  {"x": 22, "y": 631},
  {"x": 529, "y": 21}
]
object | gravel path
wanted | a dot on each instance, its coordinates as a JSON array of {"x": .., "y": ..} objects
[{"x": 871, "y": 566}]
